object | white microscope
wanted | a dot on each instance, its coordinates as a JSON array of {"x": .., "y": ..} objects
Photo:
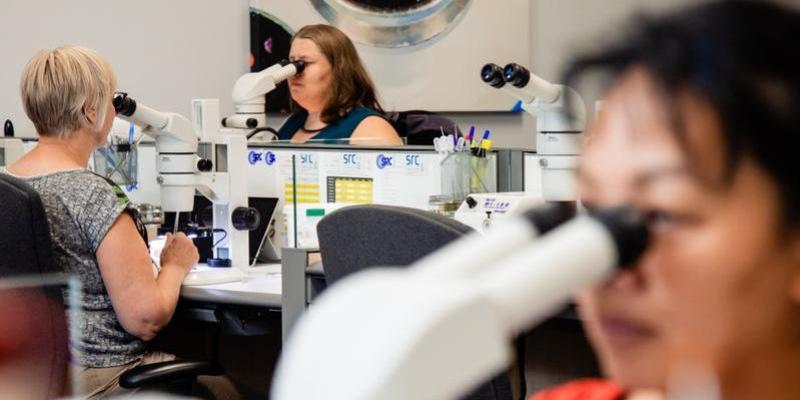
[
  {"x": 248, "y": 95},
  {"x": 560, "y": 121},
  {"x": 221, "y": 178}
]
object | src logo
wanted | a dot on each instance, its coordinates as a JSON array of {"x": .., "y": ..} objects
[
  {"x": 254, "y": 157},
  {"x": 349, "y": 159},
  {"x": 412, "y": 160},
  {"x": 383, "y": 161},
  {"x": 270, "y": 158}
]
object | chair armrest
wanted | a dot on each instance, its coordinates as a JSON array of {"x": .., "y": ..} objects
[{"x": 167, "y": 372}]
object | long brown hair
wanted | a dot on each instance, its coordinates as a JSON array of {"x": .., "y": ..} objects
[{"x": 351, "y": 85}]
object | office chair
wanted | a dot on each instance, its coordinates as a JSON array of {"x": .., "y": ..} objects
[
  {"x": 358, "y": 237},
  {"x": 25, "y": 250}
]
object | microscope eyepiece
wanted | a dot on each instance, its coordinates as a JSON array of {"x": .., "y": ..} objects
[
  {"x": 492, "y": 74},
  {"x": 299, "y": 65},
  {"x": 516, "y": 74},
  {"x": 123, "y": 104}
]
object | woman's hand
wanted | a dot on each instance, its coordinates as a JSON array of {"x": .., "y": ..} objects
[{"x": 179, "y": 252}]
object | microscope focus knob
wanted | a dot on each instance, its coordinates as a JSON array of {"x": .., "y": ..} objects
[
  {"x": 471, "y": 202},
  {"x": 8, "y": 129},
  {"x": 204, "y": 165},
  {"x": 245, "y": 218}
]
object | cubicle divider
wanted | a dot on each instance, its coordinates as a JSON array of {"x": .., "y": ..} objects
[
  {"x": 312, "y": 180},
  {"x": 531, "y": 172}
]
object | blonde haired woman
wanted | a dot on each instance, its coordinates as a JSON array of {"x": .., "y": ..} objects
[{"x": 67, "y": 93}]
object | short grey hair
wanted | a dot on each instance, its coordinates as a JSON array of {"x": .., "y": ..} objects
[{"x": 58, "y": 84}]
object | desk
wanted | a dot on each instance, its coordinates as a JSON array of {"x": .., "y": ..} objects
[
  {"x": 236, "y": 305},
  {"x": 262, "y": 287}
]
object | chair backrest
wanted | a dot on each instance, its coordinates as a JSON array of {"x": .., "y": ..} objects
[
  {"x": 357, "y": 237},
  {"x": 37, "y": 314},
  {"x": 25, "y": 247},
  {"x": 420, "y": 127}
]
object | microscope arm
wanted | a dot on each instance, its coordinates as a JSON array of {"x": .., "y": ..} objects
[{"x": 249, "y": 90}]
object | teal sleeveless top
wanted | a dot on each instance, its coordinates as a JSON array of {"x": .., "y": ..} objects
[{"x": 331, "y": 134}]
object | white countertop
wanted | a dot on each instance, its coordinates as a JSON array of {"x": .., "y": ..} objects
[{"x": 259, "y": 286}]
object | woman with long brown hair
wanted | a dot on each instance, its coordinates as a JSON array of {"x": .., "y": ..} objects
[{"x": 334, "y": 93}]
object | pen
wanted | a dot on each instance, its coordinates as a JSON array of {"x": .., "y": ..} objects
[
  {"x": 471, "y": 134},
  {"x": 486, "y": 144}
]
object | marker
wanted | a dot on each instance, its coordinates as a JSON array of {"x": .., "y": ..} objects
[
  {"x": 486, "y": 144},
  {"x": 471, "y": 134}
]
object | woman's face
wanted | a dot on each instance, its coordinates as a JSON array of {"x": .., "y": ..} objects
[
  {"x": 101, "y": 135},
  {"x": 105, "y": 129},
  {"x": 310, "y": 89},
  {"x": 717, "y": 287}
]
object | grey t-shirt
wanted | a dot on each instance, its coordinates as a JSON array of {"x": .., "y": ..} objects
[{"x": 81, "y": 207}]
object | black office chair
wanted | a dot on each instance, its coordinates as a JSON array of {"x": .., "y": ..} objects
[
  {"x": 25, "y": 250},
  {"x": 358, "y": 237}
]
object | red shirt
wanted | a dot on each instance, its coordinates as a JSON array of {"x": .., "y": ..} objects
[{"x": 583, "y": 389}]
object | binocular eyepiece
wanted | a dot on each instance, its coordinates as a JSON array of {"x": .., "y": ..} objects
[
  {"x": 492, "y": 74},
  {"x": 299, "y": 65},
  {"x": 517, "y": 75},
  {"x": 123, "y": 105},
  {"x": 513, "y": 73}
]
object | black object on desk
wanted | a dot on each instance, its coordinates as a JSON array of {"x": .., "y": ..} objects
[{"x": 201, "y": 218}]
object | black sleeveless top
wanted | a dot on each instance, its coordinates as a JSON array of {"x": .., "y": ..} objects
[{"x": 334, "y": 133}]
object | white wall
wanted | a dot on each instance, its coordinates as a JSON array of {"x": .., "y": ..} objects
[
  {"x": 164, "y": 52},
  {"x": 559, "y": 30},
  {"x": 168, "y": 52}
]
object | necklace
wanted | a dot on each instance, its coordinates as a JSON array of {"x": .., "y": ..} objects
[{"x": 312, "y": 130}]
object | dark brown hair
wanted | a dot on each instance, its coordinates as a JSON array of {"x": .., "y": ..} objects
[
  {"x": 738, "y": 55},
  {"x": 351, "y": 85}
]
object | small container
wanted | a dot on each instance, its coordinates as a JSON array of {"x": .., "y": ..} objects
[
  {"x": 455, "y": 170},
  {"x": 117, "y": 162},
  {"x": 478, "y": 174},
  {"x": 443, "y": 205}
]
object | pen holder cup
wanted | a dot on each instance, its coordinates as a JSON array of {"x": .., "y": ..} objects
[
  {"x": 455, "y": 168},
  {"x": 117, "y": 162},
  {"x": 478, "y": 174}
]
